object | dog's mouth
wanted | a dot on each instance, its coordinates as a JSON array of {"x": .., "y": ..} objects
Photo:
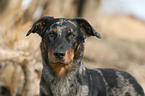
[
  {"x": 61, "y": 62},
  {"x": 60, "y": 67}
]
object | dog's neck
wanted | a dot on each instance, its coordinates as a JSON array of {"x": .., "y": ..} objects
[{"x": 65, "y": 82}]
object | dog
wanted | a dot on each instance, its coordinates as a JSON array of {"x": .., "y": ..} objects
[{"x": 64, "y": 73}]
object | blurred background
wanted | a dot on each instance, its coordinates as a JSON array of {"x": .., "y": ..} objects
[{"x": 121, "y": 24}]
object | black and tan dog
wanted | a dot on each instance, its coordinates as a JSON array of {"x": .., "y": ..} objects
[{"x": 64, "y": 73}]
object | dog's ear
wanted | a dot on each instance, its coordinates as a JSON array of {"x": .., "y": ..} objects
[
  {"x": 85, "y": 26},
  {"x": 39, "y": 25}
]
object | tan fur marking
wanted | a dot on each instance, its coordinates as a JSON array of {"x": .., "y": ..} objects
[
  {"x": 69, "y": 56},
  {"x": 54, "y": 30},
  {"x": 81, "y": 24},
  {"x": 50, "y": 55},
  {"x": 44, "y": 45},
  {"x": 68, "y": 31},
  {"x": 78, "y": 47},
  {"x": 60, "y": 69},
  {"x": 40, "y": 24}
]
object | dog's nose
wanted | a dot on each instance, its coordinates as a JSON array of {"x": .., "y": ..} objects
[{"x": 59, "y": 54}]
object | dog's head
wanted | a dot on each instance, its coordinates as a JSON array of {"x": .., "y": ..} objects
[{"x": 62, "y": 39}]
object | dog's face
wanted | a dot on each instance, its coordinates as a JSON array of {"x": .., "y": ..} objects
[{"x": 62, "y": 39}]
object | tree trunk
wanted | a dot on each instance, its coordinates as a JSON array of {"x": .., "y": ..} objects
[{"x": 27, "y": 64}]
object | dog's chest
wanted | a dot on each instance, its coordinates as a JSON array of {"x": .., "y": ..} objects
[
  {"x": 64, "y": 87},
  {"x": 69, "y": 87}
]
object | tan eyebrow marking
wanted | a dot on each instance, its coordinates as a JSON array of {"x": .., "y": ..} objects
[
  {"x": 68, "y": 31},
  {"x": 54, "y": 30}
]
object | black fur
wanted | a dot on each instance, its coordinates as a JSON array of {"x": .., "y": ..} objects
[{"x": 64, "y": 73}]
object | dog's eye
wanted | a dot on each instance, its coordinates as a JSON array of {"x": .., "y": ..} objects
[
  {"x": 51, "y": 35},
  {"x": 71, "y": 36}
]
